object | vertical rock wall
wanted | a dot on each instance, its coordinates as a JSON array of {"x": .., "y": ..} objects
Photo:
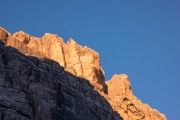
[
  {"x": 84, "y": 63},
  {"x": 80, "y": 61}
]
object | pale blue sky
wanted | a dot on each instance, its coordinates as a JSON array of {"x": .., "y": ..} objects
[{"x": 137, "y": 37}]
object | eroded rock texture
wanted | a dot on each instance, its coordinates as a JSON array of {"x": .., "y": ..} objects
[
  {"x": 126, "y": 104},
  {"x": 40, "y": 89},
  {"x": 80, "y": 61},
  {"x": 34, "y": 86}
]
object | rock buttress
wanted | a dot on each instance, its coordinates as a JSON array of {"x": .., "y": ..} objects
[{"x": 126, "y": 104}]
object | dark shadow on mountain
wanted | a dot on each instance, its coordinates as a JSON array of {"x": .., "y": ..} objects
[{"x": 34, "y": 88}]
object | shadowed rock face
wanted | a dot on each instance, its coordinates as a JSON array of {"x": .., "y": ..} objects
[
  {"x": 36, "y": 87},
  {"x": 40, "y": 89}
]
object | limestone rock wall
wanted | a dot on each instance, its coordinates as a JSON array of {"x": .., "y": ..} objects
[
  {"x": 128, "y": 105},
  {"x": 80, "y": 61},
  {"x": 43, "y": 81},
  {"x": 39, "y": 89}
]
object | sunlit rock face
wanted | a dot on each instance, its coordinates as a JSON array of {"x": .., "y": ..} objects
[
  {"x": 34, "y": 87},
  {"x": 77, "y": 65},
  {"x": 128, "y": 105},
  {"x": 80, "y": 61},
  {"x": 4, "y": 34}
]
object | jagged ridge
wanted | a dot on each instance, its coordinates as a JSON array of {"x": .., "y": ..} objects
[
  {"x": 33, "y": 88},
  {"x": 84, "y": 62}
]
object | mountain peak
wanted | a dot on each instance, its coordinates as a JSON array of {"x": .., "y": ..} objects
[{"x": 71, "y": 41}]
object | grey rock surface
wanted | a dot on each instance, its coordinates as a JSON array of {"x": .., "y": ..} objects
[{"x": 40, "y": 89}]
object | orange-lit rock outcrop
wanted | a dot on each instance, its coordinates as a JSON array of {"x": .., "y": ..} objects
[
  {"x": 128, "y": 105},
  {"x": 84, "y": 63}
]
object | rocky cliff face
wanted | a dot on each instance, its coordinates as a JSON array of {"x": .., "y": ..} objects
[
  {"x": 124, "y": 102},
  {"x": 80, "y": 61},
  {"x": 62, "y": 91},
  {"x": 34, "y": 88}
]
